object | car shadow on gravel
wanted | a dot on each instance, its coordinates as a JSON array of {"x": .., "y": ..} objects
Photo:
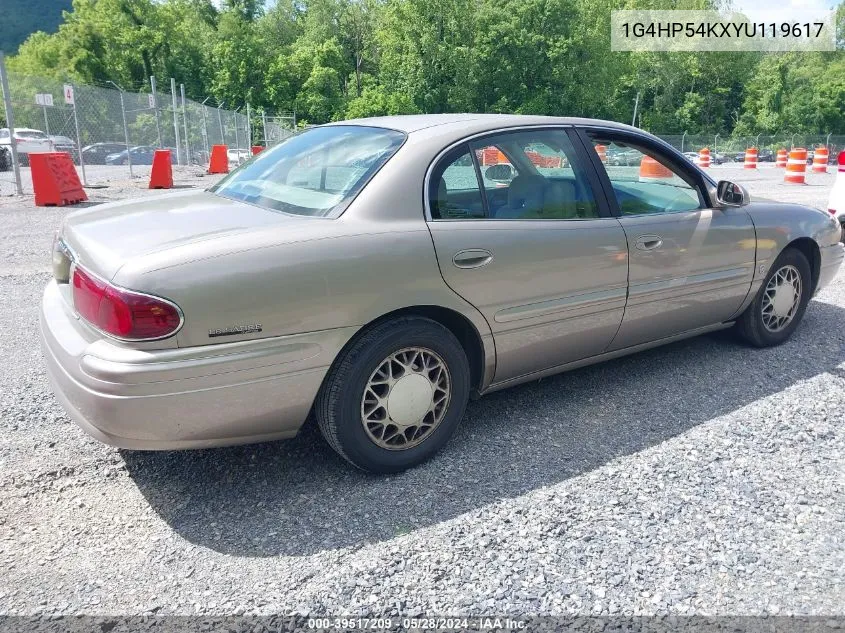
[{"x": 298, "y": 498}]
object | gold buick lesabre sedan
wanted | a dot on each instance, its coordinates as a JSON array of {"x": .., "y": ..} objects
[{"x": 379, "y": 272}]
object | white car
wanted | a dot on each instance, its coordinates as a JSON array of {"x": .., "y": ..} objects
[
  {"x": 27, "y": 141},
  {"x": 238, "y": 156},
  {"x": 836, "y": 204}
]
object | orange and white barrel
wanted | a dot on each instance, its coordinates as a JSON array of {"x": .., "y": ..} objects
[
  {"x": 651, "y": 170},
  {"x": 704, "y": 157},
  {"x": 820, "y": 160},
  {"x": 796, "y": 166},
  {"x": 601, "y": 150},
  {"x": 750, "y": 158},
  {"x": 781, "y": 158}
]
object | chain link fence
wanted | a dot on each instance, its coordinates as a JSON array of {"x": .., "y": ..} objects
[
  {"x": 732, "y": 148},
  {"x": 111, "y": 133}
]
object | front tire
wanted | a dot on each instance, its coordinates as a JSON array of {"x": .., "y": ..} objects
[
  {"x": 780, "y": 303},
  {"x": 395, "y": 396}
]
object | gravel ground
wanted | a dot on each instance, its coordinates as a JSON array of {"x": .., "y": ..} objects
[{"x": 700, "y": 478}]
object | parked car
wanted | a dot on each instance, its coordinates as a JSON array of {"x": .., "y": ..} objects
[
  {"x": 97, "y": 153},
  {"x": 140, "y": 155},
  {"x": 621, "y": 157},
  {"x": 65, "y": 144},
  {"x": 371, "y": 272},
  {"x": 238, "y": 156},
  {"x": 27, "y": 141},
  {"x": 715, "y": 158}
]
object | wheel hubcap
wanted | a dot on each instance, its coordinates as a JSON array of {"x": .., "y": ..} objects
[
  {"x": 405, "y": 398},
  {"x": 781, "y": 298}
]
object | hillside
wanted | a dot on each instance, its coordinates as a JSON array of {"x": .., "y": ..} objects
[{"x": 23, "y": 17}]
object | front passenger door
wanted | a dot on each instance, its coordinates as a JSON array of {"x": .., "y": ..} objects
[{"x": 690, "y": 264}]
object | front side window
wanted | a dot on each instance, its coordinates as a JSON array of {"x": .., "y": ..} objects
[
  {"x": 524, "y": 175},
  {"x": 643, "y": 181},
  {"x": 315, "y": 173}
]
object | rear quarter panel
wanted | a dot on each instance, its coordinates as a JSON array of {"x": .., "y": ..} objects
[{"x": 343, "y": 273}]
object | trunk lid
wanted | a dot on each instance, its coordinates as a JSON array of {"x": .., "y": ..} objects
[{"x": 105, "y": 237}]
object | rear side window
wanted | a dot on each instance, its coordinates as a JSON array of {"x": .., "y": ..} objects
[
  {"x": 316, "y": 173},
  {"x": 523, "y": 175}
]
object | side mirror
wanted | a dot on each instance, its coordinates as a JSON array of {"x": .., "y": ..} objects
[
  {"x": 729, "y": 194},
  {"x": 500, "y": 173}
]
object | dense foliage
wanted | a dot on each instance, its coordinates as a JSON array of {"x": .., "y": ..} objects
[{"x": 333, "y": 59}]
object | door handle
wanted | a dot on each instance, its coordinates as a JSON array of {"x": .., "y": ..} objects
[
  {"x": 649, "y": 242},
  {"x": 472, "y": 258}
]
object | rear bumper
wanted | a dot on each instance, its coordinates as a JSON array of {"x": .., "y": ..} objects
[
  {"x": 198, "y": 397},
  {"x": 831, "y": 260}
]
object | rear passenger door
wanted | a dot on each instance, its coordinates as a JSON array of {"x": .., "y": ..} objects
[{"x": 520, "y": 234}]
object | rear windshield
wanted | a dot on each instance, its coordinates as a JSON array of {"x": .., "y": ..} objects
[
  {"x": 30, "y": 134},
  {"x": 316, "y": 173}
]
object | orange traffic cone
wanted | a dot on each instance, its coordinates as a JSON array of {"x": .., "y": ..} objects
[
  {"x": 601, "y": 150},
  {"x": 161, "y": 175},
  {"x": 219, "y": 163},
  {"x": 820, "y": 157},
  {"x": 750, "y": 158},
  {"x": 651, "y": 170},
  {"x": 781, "y": 158},
  {"x": 796, "y": 166},
  {"x": 704, "y": 157}
]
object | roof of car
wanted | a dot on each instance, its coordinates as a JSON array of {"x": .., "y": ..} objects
[{"x": 415, "y": 122}]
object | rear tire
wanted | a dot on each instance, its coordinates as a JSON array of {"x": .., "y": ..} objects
[
  {"x": 771, "y": 319},
  {"x": 395, "y": 396}
]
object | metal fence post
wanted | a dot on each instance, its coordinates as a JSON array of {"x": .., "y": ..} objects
[
  {"x": 175, "y": 120},
  {"x": 205, "y": 129},
  {"x": 237, "y": 140},
  {"x": 155, "y": 108},
  {"x": 78, "y": 137},
  {"x": 248, "y": 128},
  {"x": 46, "y": 122},
  {"x": 10, "y": 123},
  {"x": 264, "y": 125},
  {"x": 125, "y": 128},
  {"x": 185, "y": 121},
  {"x": 220, "y": 121}
]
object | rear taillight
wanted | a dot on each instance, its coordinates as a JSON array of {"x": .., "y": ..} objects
[{"x": 123, "y": 313}]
